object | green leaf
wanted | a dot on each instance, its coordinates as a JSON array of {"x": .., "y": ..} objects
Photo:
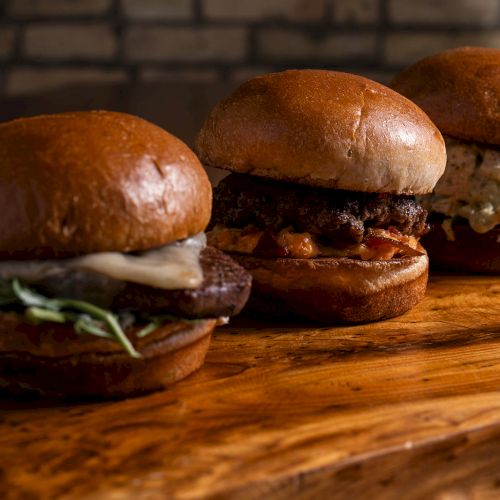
[
  {"x": 30, "y": 298},
  {"x": 159, "y": 320},
  {"x": 149, "y": 328},
  {"x": 69, "y": 309},
  {"x": 37, "y": 315},
  {"x": 7, "y": 295},
  {"x": 84, "y": 324}
]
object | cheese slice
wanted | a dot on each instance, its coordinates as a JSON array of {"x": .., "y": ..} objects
[{"x": 169, "y": 267}]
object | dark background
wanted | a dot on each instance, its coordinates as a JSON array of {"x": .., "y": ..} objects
[
  {"x": 170, "y": 60},
  {"x": 48, "y": 43}
]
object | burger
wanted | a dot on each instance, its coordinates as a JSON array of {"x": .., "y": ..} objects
[
  {"x": 460, "y": 91},
  {"x": 107, "y": 287},
  {"x": 319, "y": 207}
]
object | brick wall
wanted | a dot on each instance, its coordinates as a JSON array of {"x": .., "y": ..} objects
[{"x": 48, "y": 43}]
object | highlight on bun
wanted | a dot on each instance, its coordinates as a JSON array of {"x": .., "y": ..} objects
[{"x": 326, "y": 129}]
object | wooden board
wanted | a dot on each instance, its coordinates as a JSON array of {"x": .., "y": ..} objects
[{"x": 406, "y": 408}]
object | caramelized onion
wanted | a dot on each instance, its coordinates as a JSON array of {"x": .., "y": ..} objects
[{"x": 403, "y": 248}]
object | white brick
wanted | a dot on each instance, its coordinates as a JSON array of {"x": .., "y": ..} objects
[
  {"x": 7, "y": 36},
  {"x": 42, "y": 8},
  {"x": 49, "y": 41},
  {"x": 147, "y": 43},
  {"x": 169, "y": 75},
  {"x": 157, "y": 9},
  {"x": 254, "y": 10},
  {"x": 292, "y": 45},
  {"x": 458, "y": 12},
  {"x": 355, "y": 11},
  {"x": 406, "y": 48},
  {"x": 33, "y": 80}
]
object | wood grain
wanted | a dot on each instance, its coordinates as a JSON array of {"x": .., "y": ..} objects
[{"x": 408, "y": 407}]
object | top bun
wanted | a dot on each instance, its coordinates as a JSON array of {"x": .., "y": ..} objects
[
  {"x": 324, "y": 128},
  {"x": 459, "y": 89},
  {"x": 78, "y": 183}
]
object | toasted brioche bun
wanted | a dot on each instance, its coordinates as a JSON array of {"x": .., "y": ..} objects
[
  {"x": 471, "y": 252},
  {"x": 329, "y": 290},
  {"x": 78, "y": 183},
  {"x": 52, "y": 360},
  {"x": 459, "y": 89},
  {"x": 324, "y": 128}
]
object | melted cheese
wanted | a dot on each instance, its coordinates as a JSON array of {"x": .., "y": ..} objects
[
  {"x": 306, "y": 246},
  {"x": 170, "y": 267}
]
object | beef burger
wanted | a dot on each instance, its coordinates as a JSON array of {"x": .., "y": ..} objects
[
  {"x": 320, "y": 207},
  {"x": 106, "y": 285}
]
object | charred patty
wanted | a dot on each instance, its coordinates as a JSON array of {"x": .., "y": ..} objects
[
  {"x": 339, "y": 216},
  {"x": 223, "y": 292}
]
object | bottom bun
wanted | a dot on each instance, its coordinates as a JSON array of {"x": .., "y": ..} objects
[
  {"x": 471, "y": 252},
  {"x": 330, "y": 290},
  {"x": 53, "y": 361}
]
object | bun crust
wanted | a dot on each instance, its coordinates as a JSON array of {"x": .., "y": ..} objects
[
  {"x": 77, "y": 183},
  {"x": 324, "y": 128},
  {"x": 53, "y": 361},
  {"x": 471, "y": 252},
  {"x": 460, "y": 91},
  {"x": 335, "y": 290}
]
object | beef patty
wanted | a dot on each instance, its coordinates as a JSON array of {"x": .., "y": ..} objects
[
  {"x": 223, "y": 292},
  {"x": 334, "y": 215}
]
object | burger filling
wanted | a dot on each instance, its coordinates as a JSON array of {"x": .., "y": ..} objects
[
  {"x": 108, "y": 294},
  {"x": 274, "y": 219},
  {"x": 469, "y": 188},
  {"x": 172, "y": 266}
]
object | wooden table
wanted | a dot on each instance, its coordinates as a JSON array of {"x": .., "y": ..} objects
[{"x": 406, "y": 408}]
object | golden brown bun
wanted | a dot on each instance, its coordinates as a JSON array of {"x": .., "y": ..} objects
[
  {"x": 52, "y": 360},
  {"x": 331, "y": 290},
  {"x": 459, "y": 89},
  {"x": 78, "y": 183},
  {"x": 471, "y": 252},
  {"x": 324, "y": 128}
]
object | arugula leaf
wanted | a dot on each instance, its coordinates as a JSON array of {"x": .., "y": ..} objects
[
  {"x": 7, "y": 296},
  {"x": 30, "y": 298},
  {"x": 85, "y": 324},
  {"x": 159, "y": 320},
  {"x": 150, "y": 327},
  {"x": 86, "y": 317},
  {"x": 37, "y": 315}
]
